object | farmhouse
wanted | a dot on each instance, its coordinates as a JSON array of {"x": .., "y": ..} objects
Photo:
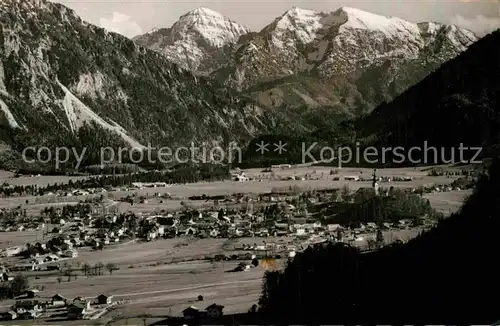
[
  {"x": 9, "y": 315},
  {"x": 104, "y": 299},
  {"x": 240, "y": 177},
  {"x": 191, "y": 312},
  {"x": 214, "y": 310},
  {"x": 77, "y": 310},
  {"x": 58, "y": 300},
  {"x": 281, "y": 166},
  {"x": 31, "y": 293},
  {"x": 72, "y": 253},
  {"x": 26, "y": 306},
  {"x": 4, "y": 277}
]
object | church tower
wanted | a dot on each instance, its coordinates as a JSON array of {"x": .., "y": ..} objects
[{"x": 375, "y": 185}]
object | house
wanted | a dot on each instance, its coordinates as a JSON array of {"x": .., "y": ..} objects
[
  {"x": 58, "y": 300},
  {"x": 29, "y": 305},
  {"x": 235, "y": 232},
  {"x": 51, "y": 257},
  {"x": 166, "y": 221},
  {"x": 214, "y": 310},
  {"x": 161, "y": 230},
  {"x": 104, "y": 299},
  {"x": 242, "y": 267},
  {"x": 240, "y": 178},
  {"x": 72, "y": 253},
  {"x": 333, "y": 227},
  {"x": 31, "y": 314},
  {"x": 152, "y": 234},
  {"x": 9, "y": 315},
  {"x": 190, "y": 231},
  {"x": 76, "y": 310},
  {"x": 4, "y": 277},
  {"x": 191, "y": 312},
  {"x": 280, "y": 233},
  {"x": 31, "y": 293},
  {"x": 76, "y": 242}
]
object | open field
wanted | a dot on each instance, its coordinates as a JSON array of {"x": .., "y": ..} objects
[
  {"x": 232, "y": 187},
  {"x": 157, "y": 287},
  {"x": 42, "y": 180},
  {"x": 448, "y": 202},
  {"x": 325, "y": 180},
  {"x": 322, "y": 177},
  {"x": 10, "y": 239}
]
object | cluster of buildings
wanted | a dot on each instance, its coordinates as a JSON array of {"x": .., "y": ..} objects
[
  {"x": 212, "y": 311},
  {"x": 31, "y": 306}
]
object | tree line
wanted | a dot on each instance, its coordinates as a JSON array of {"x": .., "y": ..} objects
[{"x": 188, "y": 174}]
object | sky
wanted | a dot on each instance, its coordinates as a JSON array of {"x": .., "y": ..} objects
[{"x": 134, "y": 17}]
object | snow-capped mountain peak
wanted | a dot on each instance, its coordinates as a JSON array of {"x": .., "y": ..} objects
[
  {"x": 205, "y": 12},
  {"x": 347, "y": 43},
  {"x": 192, "y": 40},
  {"x": 213, "y": 27},
  {"x": 300, "y": 13},
  {"x": 296, "y": 23}
]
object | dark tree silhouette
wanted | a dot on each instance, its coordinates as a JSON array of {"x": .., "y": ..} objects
[{"x": 19, "y": 284}]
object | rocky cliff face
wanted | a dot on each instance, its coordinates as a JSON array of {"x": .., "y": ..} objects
[{"x": 65, "y": 81}]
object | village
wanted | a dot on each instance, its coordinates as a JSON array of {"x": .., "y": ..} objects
[{"x": 250, "y": 232}]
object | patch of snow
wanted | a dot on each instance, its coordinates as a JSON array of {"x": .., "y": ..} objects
[
  {"x": 8, "y": 115},
  {"x": 78, "y": 114},
  {"x": 430, "y": 28},
  {"x": 216, "y": 29},
  {"x": 154, "y": 30},
  {"x": 390, "y": 26},
  {"x": 303, "y": 23}
]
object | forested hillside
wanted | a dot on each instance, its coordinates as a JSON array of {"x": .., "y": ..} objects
[{"x": 458, "y": 103}]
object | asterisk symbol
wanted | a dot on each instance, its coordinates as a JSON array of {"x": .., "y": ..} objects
[
  {"x": 280, "y": 147},
  {"x": 262, "y": 147}
]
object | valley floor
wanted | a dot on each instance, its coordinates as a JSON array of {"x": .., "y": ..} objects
[{"x": 161, "y": 278}]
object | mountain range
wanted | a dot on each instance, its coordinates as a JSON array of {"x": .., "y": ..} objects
[
  {"x": 66, "y": 82},
  {"x": 348, "y": 59},
  {"x": 206, "y": 79}
]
